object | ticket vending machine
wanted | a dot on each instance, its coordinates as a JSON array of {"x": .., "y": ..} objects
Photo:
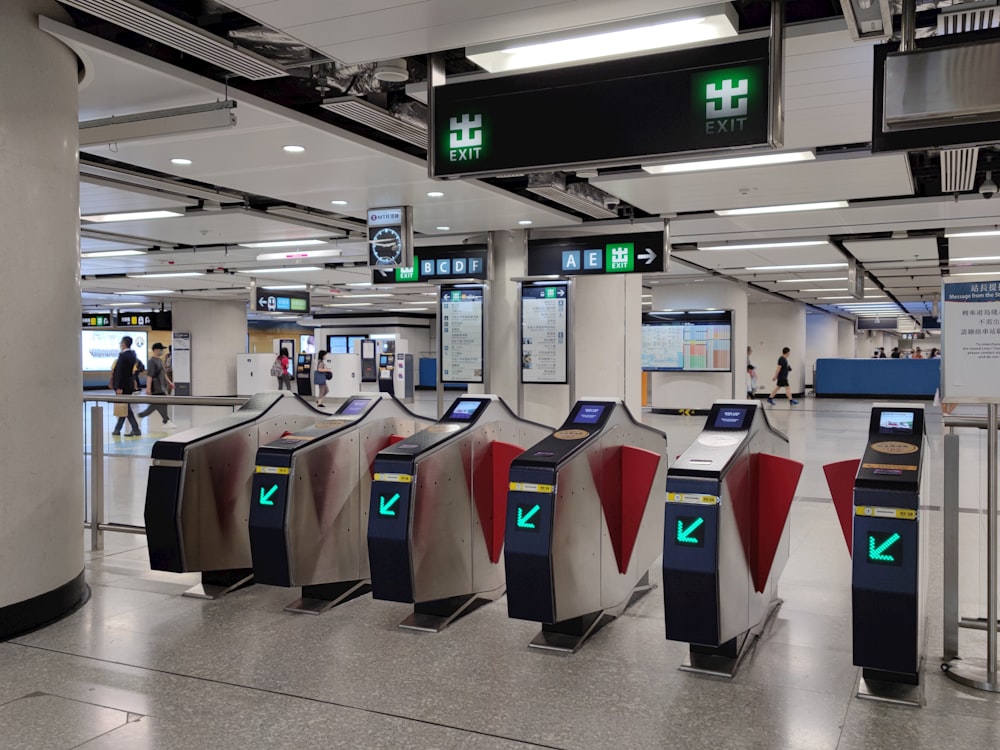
[
  {"x": 436, "y": 515},
  {"x": 198, "y": 491},
  {"x": 303, "y": 374},
  {"x": 584, "y": 517},
  {"x": 726, "y": 536},
  {"x": 309, "y": 501},
  {"x": 888, "y": 587}
]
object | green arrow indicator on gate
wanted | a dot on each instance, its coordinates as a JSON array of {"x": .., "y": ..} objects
[
  {"x": 684, "y": 535},
  {"x": 524, "y": 519},
  {"x": 878, "y": 553},
  {"x": 385, "y": 506},
  {"x": 265, "y": 495}
]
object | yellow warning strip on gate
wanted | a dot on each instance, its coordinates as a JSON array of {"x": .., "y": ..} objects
[
  {"x": 402, "y": 478},
  {"x": 544, "y": 489},
  {"x": 692, "y": 498},
  {"x": 273, "y": 470},
  {"x": 871, "y": 511}
]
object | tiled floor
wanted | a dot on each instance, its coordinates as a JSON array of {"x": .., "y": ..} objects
[{"x": 141, "y": 667}]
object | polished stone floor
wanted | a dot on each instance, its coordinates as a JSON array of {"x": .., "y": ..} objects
[{"x": 139, "y": 666}]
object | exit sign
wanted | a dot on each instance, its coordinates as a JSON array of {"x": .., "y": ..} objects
[
  {"x": 690, "y": 531},
  {"x": 885, "y": 548},
  {"x": 644, "y": 252}
]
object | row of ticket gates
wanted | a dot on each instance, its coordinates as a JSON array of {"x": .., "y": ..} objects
[{"x": 450, "y": 514}]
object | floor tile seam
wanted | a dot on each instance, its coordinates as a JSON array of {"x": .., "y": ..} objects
[
  {"x": 295, "y": 696},
  {"x": 102, "y": 734}
]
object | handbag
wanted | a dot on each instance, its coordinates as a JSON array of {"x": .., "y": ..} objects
[
  {"x": 328, "y": 374},
  {"x": 120, "y": 410}
]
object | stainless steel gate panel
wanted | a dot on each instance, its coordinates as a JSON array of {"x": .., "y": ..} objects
[{"x": 576, "y": 555}]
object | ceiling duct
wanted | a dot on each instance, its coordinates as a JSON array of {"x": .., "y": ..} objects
[
  {"x": 958, "y": 169},
  {"x": 373, "y": 116},
  {"x": 180, "y": 35},
  {"x": 973, "y": 16},
  {"x": 579, "y": 196}
]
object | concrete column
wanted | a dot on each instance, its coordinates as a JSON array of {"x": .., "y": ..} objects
[
  {"x": 773, "y": 326},
  {"x": 509, "y": 258},
  {"x": 845, "y": 338},
  {"x": 218, "y": 333},
  {"x": 41, "y": 534},
  {"x": 821, "y": 340}
]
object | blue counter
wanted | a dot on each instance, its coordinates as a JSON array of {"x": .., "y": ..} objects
[{"x": 878, "y": 378}]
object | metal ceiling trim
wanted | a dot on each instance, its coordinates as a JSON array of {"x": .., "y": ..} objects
[
  {"x": 958, "y": 169},
  {"x": 960, "y": 19},
  {"x": 359, "y": 110},
  {"x": 180, "y": 35}
]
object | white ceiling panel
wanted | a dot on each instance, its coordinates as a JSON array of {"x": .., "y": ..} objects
[
  {"x": 973, "y": 247},
  {"x": 737, "y": 261},
  {"x": 92, "y": 244},
  {"x": 803, "y": 182},
  {"x": 910, "y": 249},
  {"x": 99, "y": 199}
]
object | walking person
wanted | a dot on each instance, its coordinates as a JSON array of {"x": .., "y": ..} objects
[
  {"x": 751, "y": 376},
  {"x": 123, "y": 382},
  {"x": 158, "y": 384},
  {"x": 320, "y": 377},
  {"x": 280, "y": 370},
  {"x": 781, "y": 378}
]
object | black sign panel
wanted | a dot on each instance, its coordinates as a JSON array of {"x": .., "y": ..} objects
[
  {"x": 390, "y": 237},
  {"x": 281, "y": 302},
  {"x": 96, "y": 320},
  {"x": 622, "y": 111},
  {"x": 438, "y": 263},
  {"x": 602, "y": 254},
  {"x": 135, "y": 319}
]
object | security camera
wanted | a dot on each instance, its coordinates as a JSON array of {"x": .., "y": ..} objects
[
  {"x": 989, "y": 188},
  {"x": 611, "y": 202}
]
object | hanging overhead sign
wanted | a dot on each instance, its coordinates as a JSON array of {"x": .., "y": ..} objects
[
  {"x": 616, "y": 112},
  {"x": 390, "y": 237},
  {"x": 599, "y": 254},
  {"x": 281, "y": 302},
  {"x": 438, "y": 264}
]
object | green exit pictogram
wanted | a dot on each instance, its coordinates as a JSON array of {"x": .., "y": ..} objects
[
  {"x": 550, "y": 292},
  {"x": 385, "y": 507},
  {"x": 411, "y": 273},
  {"x": 690, "y": 531},
  {"x": 619, "y": 257},
  {"x": 525, "y": 516},
  {"x": 265, "y": 497},
  {"x": 883, "y": 549}
]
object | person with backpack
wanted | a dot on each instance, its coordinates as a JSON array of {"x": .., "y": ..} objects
[
  {"x": 280, "y": 370},
  {"x": 123, "y": 383},
  {"x": 157, "y": 384}
]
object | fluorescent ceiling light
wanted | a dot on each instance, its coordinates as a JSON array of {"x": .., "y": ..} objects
[
  {"x": 172, "y": 275},
  {"x": 435, "y": 194},
  {"x": 837, "y": 297},
  {"x": 132, "y": 216},
  {"x": 821, "y": 206},
  {"x": 283, "y": 287},
  {"x": 294, "y": 149},
  {"x": 112, "y": 254},
  {"x": 290, "y": 269},
  {"x": 442, "y": 229},
  {"x": 975, "y": 260},
  {"x": 358, "y": 283},
  {"x": 339, "y": 203},
  {"x": 827, "y": 289},
  {"x": 804, "y": 267},
  {"x": 714, "y": 22},
  {"x": 764, "y": 245},
  {"x": 406, "y": 309},
  {"x": 179, "y": 161},
  {"x": 150, "y": 291},
  {"x": 974, "y": 233},
  {"x": 366, "y": 296},
  {"x": 810, "y": 281},
  {"x": 297, "y": 254},
  {"x": 975, "y": 273},
  {"x": 524, "y": 222},
  {"x": 283, "y": 243},
  {"x": 349, "y": 304},
  {"x": 736, "y": 162}
]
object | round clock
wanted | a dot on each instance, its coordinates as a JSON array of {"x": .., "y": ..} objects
[{"x": 387, "y": 246}]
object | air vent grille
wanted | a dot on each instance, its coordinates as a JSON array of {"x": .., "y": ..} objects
[
  {"x": 180, "y": 35},
  {"x": 971, "y": 19},
  {"x": 958, "y": 169},
  {"x": 377, "y": 118},
  {"x": 571, "y": 201}
]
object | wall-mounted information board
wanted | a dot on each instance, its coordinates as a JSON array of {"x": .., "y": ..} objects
[
  {"x": 690, "y": 341},
  {"x": 543, "y": 333},
  {"x": 461, "y": 334}
]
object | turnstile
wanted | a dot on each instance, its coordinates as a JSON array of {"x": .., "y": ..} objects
[
  {"x": 309, "y": 501},
  {"x": 888, "y": 580},
  {"x": 725, "y": 535},
  {"x": 198, "y": 491},
  {"x": 436, "y": 519},
  {"x": 581, "y": 530}
]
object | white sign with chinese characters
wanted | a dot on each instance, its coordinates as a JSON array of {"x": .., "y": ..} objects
[
  {"x": 970, "y": 341},
  {"x": 462, "y": 335}
]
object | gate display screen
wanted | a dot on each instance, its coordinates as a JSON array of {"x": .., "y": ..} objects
[
  {"x": 464, "y": 410},
  {"x": 356, "y": 406},
  {"x": 730, "y": 418},
  {"x": 895, "y": 423},
  {"x": 589, "y": 414}
]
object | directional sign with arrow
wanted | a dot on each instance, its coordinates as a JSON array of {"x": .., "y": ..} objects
[
  {"x": 643, "y": 252},
  {"x": 525, "y": 516},
  {"x": 385, "y": 507},
  {"x": 265, "y": 497},
  {"x": 648, "y": 255},
  {"x": 883, "y": 549},
  {"x": 690, "y": 532}
]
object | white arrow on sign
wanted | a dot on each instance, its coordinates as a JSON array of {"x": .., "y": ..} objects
[
  {"x": 561, "y": 292},
  {"x": 649, "y": 256},
  {"x": 262, "y": 301}
]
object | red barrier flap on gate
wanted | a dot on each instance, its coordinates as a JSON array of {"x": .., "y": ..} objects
[
  {"x": 777, "y": 478},
  {"x": 840, "y": 479},
  {"x": 490, "y": 492},
  {"x": 627, "y": 477}
]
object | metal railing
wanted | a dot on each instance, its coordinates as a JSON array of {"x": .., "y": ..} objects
[{"x": 97, "y": 523}]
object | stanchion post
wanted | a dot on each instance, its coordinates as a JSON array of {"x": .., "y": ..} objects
[
  {"x": 991, "y": 545},
  {"x": 950, "y": 564},
  {"x": 96, "y": 477}
]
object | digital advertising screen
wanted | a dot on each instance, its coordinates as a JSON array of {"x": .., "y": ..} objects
[
  {"x": 355, "y": 406},
  {"x": 100, "y": 348},
  {"x": 693, "y": 341},
  {"x": 730, "y": 418},
  {"x": 464, "y": 410},
  {"x": 461, "y": 326},
  {"x": 544, "y": 318},
  {"x": 895, "y": 423},
  {"x": 589, "y": 413}
]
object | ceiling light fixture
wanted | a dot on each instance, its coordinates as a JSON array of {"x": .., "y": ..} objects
[
  {"x": 804, "y": 267},
  {"x": 289, "y": 269},
  {"x": 613, "y": 40},
  {"x": 736, "y": 162},
  {"x": 150, "y": 291},
  {"x": 283, "y": 287},
  {"x": 358, "y": 283},
  {"x": 820, "y": 206},
  {"x": 525, "y": 222},
  {"x": 975, "y": 273},
  {"x": 349, "y": 304},
  {"x": 366, "y": 296},
  {"x": 975, "y": 260},
  {"x": 171, "y": 275},
  {"x": 180, "y": 162},
  {"x": 765, "y": 245},
  {"x": 294, "y": 149},
  {"x": 810, "y": 281},
  {"x": 132, "y": 216},
  {"x": 435, "y": 194},
  {"x": 282, "y": 243},
  {"x": 298, "y": 254},
  {"x": 443, "y": 229},
  {"x": 846, "y": 296},
  {"x": 111, "y": 254},
  {"x": 339, "y": 203},
  {"x": 829, "y": 289},
  {"x": 973, "y": 233}
]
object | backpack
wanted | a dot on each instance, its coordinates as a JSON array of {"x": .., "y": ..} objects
[{"x": 276, "y": 369}]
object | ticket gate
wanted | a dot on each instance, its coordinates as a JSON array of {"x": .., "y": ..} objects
[
  {"x": 198, "y": 491},
  {"x": 726, "y": 536},
  {"x": 436, "y": 517},
  {"x": 309, "y": 501},
  {"x": 583, "y": 522},
  {"x": 888, "y": 582}
]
